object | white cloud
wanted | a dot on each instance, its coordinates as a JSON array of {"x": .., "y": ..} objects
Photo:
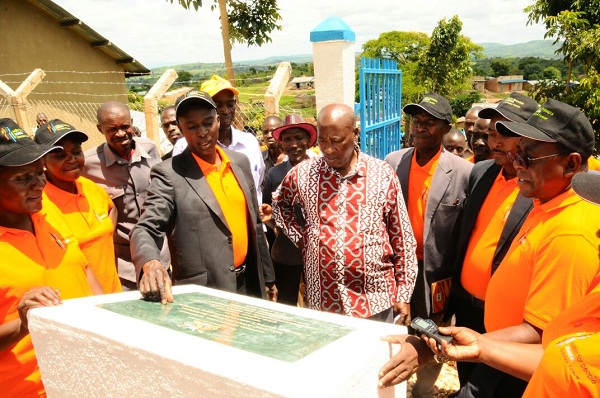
[{"x": 158, "y": 33}]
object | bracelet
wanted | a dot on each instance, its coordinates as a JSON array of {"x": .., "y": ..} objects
[{"x": 441, "y": 358}]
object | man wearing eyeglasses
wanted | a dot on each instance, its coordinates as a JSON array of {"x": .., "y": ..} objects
[
  {"x": 553, "y": 259},
  {"x": 434, "y": 184},
  {"x": 168, "y": 123},
  {"x": 492, "y": 216}
]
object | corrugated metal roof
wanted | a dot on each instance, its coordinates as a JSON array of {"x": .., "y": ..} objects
[
  {"x": 512, "y": 81},
  {"x": 69, "y": 21}
]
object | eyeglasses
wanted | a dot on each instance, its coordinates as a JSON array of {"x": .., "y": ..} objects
[
  {"x": 167, "y": 124},
  {"x": 525, "y": 161}
]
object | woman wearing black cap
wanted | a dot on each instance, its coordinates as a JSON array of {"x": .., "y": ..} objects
[
  {"x": 86, "y": 207},
  {"x": 40, "y": 264}
]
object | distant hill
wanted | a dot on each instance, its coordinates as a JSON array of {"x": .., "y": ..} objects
[{"x": 535, "y": 48}]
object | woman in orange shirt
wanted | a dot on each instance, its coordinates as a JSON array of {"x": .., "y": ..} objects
[
  {"x": 567, "y": 363},
  {"x": 85, "y": 206},
  {"x": 40, "y": 264}
]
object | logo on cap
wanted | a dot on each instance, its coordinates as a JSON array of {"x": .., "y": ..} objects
[
  {"x": 429, "y": 100},
  {"x": 14, "y": 135}
]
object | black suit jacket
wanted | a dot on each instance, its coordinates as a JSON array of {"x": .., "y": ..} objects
[
  {"x": 182, "y": 206},
  {"x": 482, "y": 178}
]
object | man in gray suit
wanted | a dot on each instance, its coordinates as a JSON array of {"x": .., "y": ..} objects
[
  {"x": 434, "y": 184},
  {"x": 204, "y": 201}
]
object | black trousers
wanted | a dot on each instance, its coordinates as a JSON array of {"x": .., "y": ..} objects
[
  {"x": 470, "y": 316},
  {"x": 287, "y": 280}
]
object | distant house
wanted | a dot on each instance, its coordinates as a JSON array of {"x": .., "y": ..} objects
[
  {"x": 478, "y": 83},
  {"x": 504, "y": 84},
  {"x": 83, "y": 68},
  {"x": 303, "y": 82}
]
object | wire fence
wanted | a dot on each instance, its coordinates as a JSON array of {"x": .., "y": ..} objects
[{"x": 74, "y": 97}]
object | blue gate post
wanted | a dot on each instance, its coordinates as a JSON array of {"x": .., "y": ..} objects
[{"x": 380, "y": 108}]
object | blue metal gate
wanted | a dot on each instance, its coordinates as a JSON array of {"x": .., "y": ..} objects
[{"x": 380, "y": 108}]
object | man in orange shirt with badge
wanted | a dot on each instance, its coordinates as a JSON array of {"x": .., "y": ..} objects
[{"x": 491, "y": 217}]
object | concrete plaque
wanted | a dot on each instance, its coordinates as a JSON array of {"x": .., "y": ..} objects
[
  {"x": 276, "y": 334},
  {"x": 208, "y": 343}
]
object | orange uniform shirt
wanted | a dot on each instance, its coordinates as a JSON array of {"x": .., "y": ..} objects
[
  {"x": 231, "y": 198},
  {"x": 87, "y": 215},
  {"x": 549, "y": 266},
  {"x": 570, "y": 366},
  {"x": 48, "y": 258},
  {"x": 477, "y": 266},
  {"x": 593, "y": 163},
  {"x": 419, "y": 181}
]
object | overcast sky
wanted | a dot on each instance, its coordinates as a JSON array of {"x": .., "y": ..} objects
[{"x": 158, "y": 33}]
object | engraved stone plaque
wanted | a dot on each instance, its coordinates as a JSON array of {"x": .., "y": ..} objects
[{"x": 275, "y": 334}]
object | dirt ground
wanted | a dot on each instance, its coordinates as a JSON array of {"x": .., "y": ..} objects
[{"x": 446, "y": 384}]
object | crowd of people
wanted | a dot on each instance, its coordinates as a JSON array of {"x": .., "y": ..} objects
[{"x": 490, "y": 232}]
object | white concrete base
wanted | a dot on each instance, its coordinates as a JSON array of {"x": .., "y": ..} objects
[{"x": 87, "y": 351}]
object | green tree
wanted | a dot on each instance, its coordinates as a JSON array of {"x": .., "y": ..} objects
[
  {"x": 242, "y": 21},
  {"x": 551, "y": 73},
  {"x": 445, "y": 66},
  {"x": 576, "y": 23},
  {"x": 183, "y": 76},
  {"x": 405, "y": 48},
  {"x": 400, "y": 46},
  {"x": 500, "y": 67}
]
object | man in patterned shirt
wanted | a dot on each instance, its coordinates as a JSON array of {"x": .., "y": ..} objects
[{"x": 358, "y": 247}]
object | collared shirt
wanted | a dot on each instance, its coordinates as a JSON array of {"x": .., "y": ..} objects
[
  {"x": 359, "y": 250},
  {"x": 549, "y": 266},
  {"x": 477, "y": 265},
  {"x": 86, "y": 213},
  {"x": 570, "y": 366},
  {"x": 50, "y": 257},
  {"x": 126, "y": 183},
  {"x": 232, "y": 201},
  {"x": 419, "y": 182},
  {"x": 244, "y": 143}
]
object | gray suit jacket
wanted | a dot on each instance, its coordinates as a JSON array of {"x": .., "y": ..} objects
[
  {"x": 448, "y": 191},
  {"x": 182, "y": 206}
]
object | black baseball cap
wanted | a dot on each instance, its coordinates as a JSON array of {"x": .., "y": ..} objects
[
  {"x": 55, "y": 130},
  {"x": 17, "y": 148},
  {"x": 587, "y": 185},
  {"x": 556, "y": 121},
  {"x": 434, "y": 104},
  {"x": 516, "y": 107},
  {"x": 191, "y": 97}
]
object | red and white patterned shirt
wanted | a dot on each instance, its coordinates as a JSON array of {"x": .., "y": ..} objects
[{"x": 359, "y": 249}]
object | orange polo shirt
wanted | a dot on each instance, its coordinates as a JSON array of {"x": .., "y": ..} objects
[
  {"x": 549, "y": 266},
  {"x": 477, "y": 266},
  {"x": 593, "y": 163},
  {"x": 231, "y": 198},
  {"x": 570, "y": 366},
  {"x": 86, "y": 214},
  {"x": 419, "y": 181},
  {"x": 48, "y": 258}
]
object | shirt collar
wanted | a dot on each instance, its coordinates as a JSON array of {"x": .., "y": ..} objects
[
  {"x": 563, "y": 200},
  {"x": 360, "y": 168},
  {"x": 61, "y": 197},
  {"x": 139, "y": 153}
]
